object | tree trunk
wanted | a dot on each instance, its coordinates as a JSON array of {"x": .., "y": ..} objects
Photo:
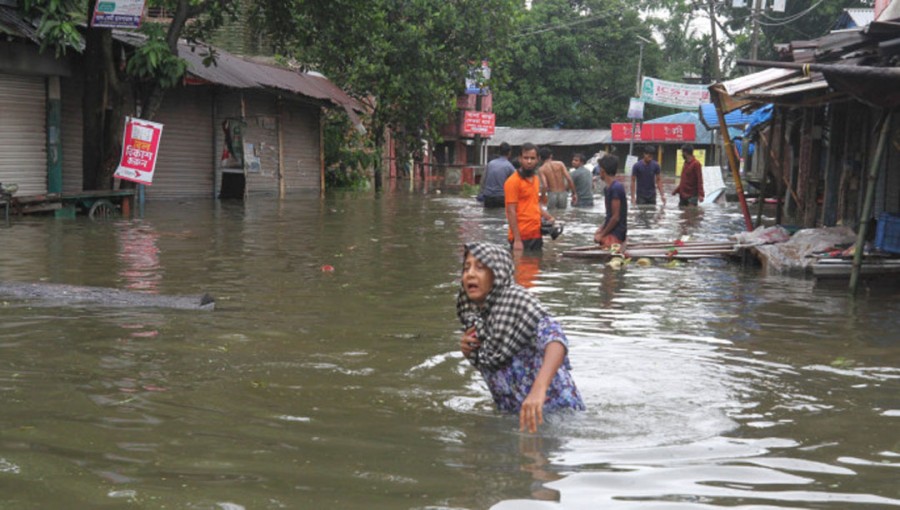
[
  {"x": 379, "y": 164},
  {"x": 103, "y": 107},
  {"x": 153, "y": 96},
  {"x": 93, "y": 107}
]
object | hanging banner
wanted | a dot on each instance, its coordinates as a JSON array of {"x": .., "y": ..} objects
[
  {"x": 635, "y": 109},
  {"x": 661, "y": 132},
  {"x": 672, "y": 94},
  {"x": 478, "y": 123},
  {"x": 140, "y": 144},
  {"x": 118, "y": 14}
]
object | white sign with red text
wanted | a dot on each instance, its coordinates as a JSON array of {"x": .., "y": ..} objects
[{"x": 140, "y": 145}]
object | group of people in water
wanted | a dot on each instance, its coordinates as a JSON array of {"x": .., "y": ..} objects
[{"x": 508, "y": 335}]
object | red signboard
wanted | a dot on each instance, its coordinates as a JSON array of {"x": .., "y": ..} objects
[
  {"x": 139, "y": 148},
  {"x": 478, "y": 123},
  {"x": 621, "y": 132}
]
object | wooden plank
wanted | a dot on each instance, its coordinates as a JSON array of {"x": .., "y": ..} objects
[
  {"x": 52, "y": 206},
  {"x": 31, "y": 199},
  {"x": 107, "y": 193}
]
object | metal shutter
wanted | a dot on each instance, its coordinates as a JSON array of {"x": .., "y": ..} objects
[
  {"x": 71, "y": 134},
  {"x": 185, "y": 166},
  {"x": 23, "y": 133},
  {"x": 301, "y": 148}
]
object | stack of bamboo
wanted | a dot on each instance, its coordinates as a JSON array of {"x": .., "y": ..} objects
[{"x": 660, "y": 250}]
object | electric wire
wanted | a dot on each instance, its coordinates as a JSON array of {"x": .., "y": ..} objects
[
  {"x": 587, "y": 19},
  {"x": 790, "y": 19}
]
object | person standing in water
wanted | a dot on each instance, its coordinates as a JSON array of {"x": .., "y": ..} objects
[
  {"x": 615, "y": 227},
  {"x": 557, "y": 180},
  {"x": 690, "y": 187},
  {"x": 498, "y": 170},
  {"x": 523, "y": 207},
  {"x": 520, "y": 350},
  {"x": 646, "y": 178},
  {"x": 584, "y": 182}
]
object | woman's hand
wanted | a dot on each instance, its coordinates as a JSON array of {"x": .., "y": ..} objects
[
  {"x": 469, "y": 342},
  {"x": 532, "y": 413}
]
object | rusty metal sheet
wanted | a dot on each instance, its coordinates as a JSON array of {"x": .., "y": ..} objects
[{"x": 758, "y": 79}]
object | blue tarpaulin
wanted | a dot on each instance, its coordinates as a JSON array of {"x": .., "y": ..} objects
[
  {"x": 758, "y": 118},
  {"x": 710, "y": 119}
]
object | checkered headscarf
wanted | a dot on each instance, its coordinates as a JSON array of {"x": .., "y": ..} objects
[{"x": 508, "y": 320}]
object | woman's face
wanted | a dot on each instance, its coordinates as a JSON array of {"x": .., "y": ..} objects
[{"x": 477, "y": 279}]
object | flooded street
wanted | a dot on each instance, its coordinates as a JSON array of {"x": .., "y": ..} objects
[{"x": 707, "y": 384}]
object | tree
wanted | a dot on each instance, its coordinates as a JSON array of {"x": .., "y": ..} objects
[
  {"x": 572, "y": 64},
  {"x": 802, "y": 20},
  {"x": 408, "y": 60},
  {"x": 684, "y": 46}
]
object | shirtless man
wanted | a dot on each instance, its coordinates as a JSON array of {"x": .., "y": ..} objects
[{"x": 557, "y": 180}]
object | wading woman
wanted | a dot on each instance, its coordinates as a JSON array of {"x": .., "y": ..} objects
[{"x": 511, "y": 339}]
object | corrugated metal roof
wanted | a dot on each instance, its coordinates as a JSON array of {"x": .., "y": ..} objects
[
  {"x": 11, "y": 22},
  {"x": 757, "y": 80},
  {"x": 793, "y": 89},
  {"x": 232, "y": 71},
  {"x": 550, "y": 137}
]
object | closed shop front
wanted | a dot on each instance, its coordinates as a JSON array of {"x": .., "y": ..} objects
[
  {"x": 71, "y": 134},
  {"x": 184, "y": 167},
  {"x": 23, "y": 134},
  {"x": 302, "y": 155}
]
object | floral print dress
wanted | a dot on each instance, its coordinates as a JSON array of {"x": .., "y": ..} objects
[{"x": 511, "y": 383}]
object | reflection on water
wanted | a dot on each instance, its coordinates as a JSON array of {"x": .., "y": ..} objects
[
  {"x": 139, "y": 256},
  {"x": 707, "y": 385}
]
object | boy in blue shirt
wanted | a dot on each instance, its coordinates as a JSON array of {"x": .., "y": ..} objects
[{"x": 615, "y": 228}]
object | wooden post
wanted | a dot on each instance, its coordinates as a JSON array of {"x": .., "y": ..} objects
[
  {"x": 805, "y": 186},
  {"x": 829, "y": 203},
  {"x": 732, "y": 158},
  {"x": 869, "y": 200},
  {"x": 763, "y": 149},
  {"x": 779, "y": 184}
]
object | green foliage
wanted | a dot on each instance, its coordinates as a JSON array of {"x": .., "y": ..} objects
[
  {"x": 153, "y": 60},
  {"x": 348, "y": 157},
  {"x": 784, "y": 27},
  {"x": 685, "y": 49},
  {"x": 572, "y": 65},
  {"x": 57, "y": 23},
  {"x": 410, "y": 58}
]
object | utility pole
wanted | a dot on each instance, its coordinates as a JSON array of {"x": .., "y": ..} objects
[
  {"x": 637, "y": 89},
  {"x": 714, "y": 39},
  {"x": 754, "y": 37}
]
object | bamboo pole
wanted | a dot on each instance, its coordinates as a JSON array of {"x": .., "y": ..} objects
[
  {"x": 882, "y": 73},
  {"x": 730, "y": 153},
  {"x": 870, "y": 198}
]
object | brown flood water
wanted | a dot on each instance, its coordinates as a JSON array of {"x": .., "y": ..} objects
[{"x": 707, "y": 384}]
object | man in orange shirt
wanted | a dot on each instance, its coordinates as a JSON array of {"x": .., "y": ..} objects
[{"x": 523, "y": 207}]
